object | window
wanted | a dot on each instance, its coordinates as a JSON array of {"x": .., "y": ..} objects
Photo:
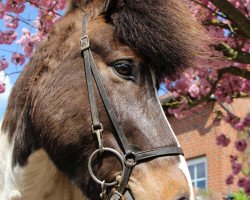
[{"x": 198, "y": 172}]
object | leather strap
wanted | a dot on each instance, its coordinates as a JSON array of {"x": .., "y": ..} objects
[
  {"x": 113, "y": 118},
  {"x": 155, "y": 153},
  {"x": 90, "y": 86}
]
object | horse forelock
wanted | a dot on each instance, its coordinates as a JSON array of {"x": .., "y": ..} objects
[{"x": 162, "y": 32}]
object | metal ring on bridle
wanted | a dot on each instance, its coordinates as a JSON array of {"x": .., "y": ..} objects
[
  {"x": 101, "y": 151},
  {"x": 130, "y": 159}
]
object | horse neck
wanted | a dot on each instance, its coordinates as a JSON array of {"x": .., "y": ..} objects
[{"x": 37, "y": 180}]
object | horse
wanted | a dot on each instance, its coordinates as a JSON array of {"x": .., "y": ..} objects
[{"x": 50, "y": 147}]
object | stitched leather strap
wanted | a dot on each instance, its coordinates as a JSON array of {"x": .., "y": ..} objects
[
  {"x": 155, "y": 153},
  {"x": 90, "y": 85},
  {"x": 112, "y": 116}
]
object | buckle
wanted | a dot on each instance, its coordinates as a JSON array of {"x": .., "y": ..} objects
[
  {"x": 130, "y": 159},
  {"x": 84, "y": 43},
  {"x": 97, "y": 130},
  {"x": 97, "y": 127}
]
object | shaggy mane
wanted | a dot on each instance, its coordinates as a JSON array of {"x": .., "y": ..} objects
[{"x": 162, "y": 31}]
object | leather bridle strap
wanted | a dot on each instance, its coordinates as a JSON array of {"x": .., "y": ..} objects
[
  {"x": 131, "y": 157},
  {"x": 91, "y": 67},
  {"x": 112, "y": 116},
  {"x": 164, "y": 151}
]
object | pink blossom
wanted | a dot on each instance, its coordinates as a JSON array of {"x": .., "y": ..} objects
[
  {"x": 11, "y": 22},
  {"x": 61, "y": 4},
  {"x": 232, "y": 119},
  {"x": 216, "y": 121},
  {"x": 246, "y": 121},
  {"x": 242, "y": 182},
  {"x": 204, "y": 2},
  {"x": 3, "y": 64},
  {"x": 194, "y": 91},
  {"x": 46, "y": 3},
  {"x": 230, "y": 179},
  {"x": 7, "y": 37},
  {"x": 247, "y": 187},
  {"x": 236, "y": 168},
  {"x": 18, "y": 59},
  {"x": 222, "y": 140},
  {"x": 2, "y": 87},
  {"x": 233, "y": 158},
  {"x": 15, "y": 6},
  {"x": 28, "y": 42},
  {"x": 241, "y": 145},
  {"x": 46, "y": 20},
  {"x": 239, "y": 126}
]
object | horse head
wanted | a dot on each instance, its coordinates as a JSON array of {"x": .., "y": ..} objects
[{"x": 48, "y": 122}]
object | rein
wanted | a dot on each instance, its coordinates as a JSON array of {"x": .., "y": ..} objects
[{"x": 130, "y": 157}]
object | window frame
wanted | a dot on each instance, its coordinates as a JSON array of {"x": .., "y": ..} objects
[{"x": 194, "y": 162}]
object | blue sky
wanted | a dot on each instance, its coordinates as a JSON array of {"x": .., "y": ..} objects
[{"x": 5, "y": 51}]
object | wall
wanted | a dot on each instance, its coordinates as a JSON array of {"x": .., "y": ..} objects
[{"x": 197, "y": 137}]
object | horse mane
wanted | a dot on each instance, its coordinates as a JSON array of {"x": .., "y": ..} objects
[{"x": 161, "y": 31}]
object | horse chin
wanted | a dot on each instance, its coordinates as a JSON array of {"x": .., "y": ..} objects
[{"x": 164, "y": 179}]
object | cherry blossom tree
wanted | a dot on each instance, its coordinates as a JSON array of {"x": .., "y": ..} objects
[
  {"x": 223, "y": 81},
  {"x": 11, "y": 15},
  {"x": 228, "y": 23}
]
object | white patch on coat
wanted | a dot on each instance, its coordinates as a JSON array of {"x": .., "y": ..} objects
[
  {"x": 183, "y": 166},
  {"x": 5, "y": 165},
  {"x": 37, "y": 180}
]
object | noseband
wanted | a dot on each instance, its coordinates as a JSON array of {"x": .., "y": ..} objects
[{"x": 130, "y": 157}]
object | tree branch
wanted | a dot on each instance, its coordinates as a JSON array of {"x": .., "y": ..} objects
[
  {"x": 10, "y": 74},
  {"x": 206, "y": 7},
  {"x": 243, "y": 73},
  {"x": 218, "y": 23},
  {"x": 25, "y": 22},
  {"x": 42, "y": 8},
  {"x": 233, "y": 54},
  {"x": 234, "y": 15}
]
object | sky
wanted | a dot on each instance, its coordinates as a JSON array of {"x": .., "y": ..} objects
[{"x": 5, "y": 50}]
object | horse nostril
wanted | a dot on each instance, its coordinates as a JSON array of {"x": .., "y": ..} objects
[{"x": 183, "y": 197}]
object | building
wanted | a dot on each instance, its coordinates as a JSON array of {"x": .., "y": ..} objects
[{"x": 208, "y": 163}]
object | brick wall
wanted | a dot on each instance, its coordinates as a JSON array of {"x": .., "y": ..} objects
[{"x": 197, "y": 137}]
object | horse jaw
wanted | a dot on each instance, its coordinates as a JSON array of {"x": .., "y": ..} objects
[{"x": 37, "y": 180}]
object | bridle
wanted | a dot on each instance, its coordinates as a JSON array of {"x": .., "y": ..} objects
[{"x": 130, "y": 157}]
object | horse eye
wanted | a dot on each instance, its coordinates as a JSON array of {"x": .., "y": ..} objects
[{"x": 123, "y": 68}]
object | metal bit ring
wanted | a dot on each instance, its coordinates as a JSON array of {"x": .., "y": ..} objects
[{"x": 90, "y": 165}]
